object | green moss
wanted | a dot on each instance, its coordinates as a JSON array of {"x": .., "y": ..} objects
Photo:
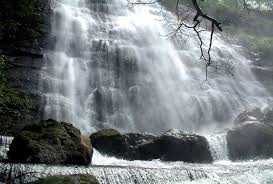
[
  {"x": 13, "y": 108},
  {"x": 55, "y": 180},
  {"x": 18, "y": 19},
  {"x": 88, "y": 179},
  {"x": 107, "y": 132},
  {"x": 73, "y": 179}
]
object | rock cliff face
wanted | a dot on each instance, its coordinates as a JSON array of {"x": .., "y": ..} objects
[{"x": 23, "y": 39}]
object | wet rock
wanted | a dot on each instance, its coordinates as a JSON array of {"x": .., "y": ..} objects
[
  {"x": 49, "y": 142},
  {"x": 176, "y": 145},
  {"x": 22, "y": 42},
  {"x": 254, "y": 114},
  {"x": 71, "y": 179},
  {"x": 268, "y": 116},
  {"x": 250, "y": 140},
  {"x": 113, "y": 143},
  {"x": 135, "y": 139},
  {"x": 110, "y": 142}
]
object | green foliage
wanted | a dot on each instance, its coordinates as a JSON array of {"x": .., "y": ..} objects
[
  {"x": 253, "y": 29},
  {"x": 17, "y": 18},
  {"x": 13, "y": 106},
  {"x": 261, "y": 45}
]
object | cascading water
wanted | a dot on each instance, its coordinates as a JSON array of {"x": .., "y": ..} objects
[
  {"x": 4, "y": 146},
  {"x": 110, "y": 66},
  {"x": 218, "y": 146}
]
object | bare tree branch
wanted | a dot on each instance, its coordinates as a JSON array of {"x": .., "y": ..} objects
[{"x": 183, "y": 22}]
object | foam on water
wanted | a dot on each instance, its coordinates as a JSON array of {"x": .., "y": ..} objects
[{"x": 258, "y": 172}]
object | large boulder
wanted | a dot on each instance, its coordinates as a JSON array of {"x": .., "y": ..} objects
[
  {"x": 110, "y": 142},
  {"x": 113, "y": 143},
  {"x": 71, "y": 179},
  {"x": 49, "y": 142},
  {"x": 254, "y": 114},
  {"x": 176, "y": 145},
  {"x": 250, "y": 140}
]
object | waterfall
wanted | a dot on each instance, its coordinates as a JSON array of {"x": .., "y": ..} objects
[
  {"x": 218, "y": 146},
  {"x": 4, "y": 146},
  {"x": 109, "y": 66}
]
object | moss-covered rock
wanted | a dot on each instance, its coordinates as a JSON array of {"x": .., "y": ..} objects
[
  {"x": 49, "y": 142},
  {"x": 72, "y": 179}
]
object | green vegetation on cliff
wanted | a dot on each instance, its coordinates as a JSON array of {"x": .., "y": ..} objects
[
  {"x": 14, "y": 107},
  {"x": 18, "y": 18}
]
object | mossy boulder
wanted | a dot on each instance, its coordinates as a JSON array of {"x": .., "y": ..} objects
[
  {"x": 250, "y": 140},
  {"x": 49, "y": 142},
  {"x": 71, "y": 179}
]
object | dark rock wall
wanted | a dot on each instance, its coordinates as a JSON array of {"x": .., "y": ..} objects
[{"x": 23, "y": 39}]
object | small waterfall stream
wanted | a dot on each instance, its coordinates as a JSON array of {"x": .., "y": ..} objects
[
  {"x": 4, "y": 146},
  {"x": 218, "y": 146}
]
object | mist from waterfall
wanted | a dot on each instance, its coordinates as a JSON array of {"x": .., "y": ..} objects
[{"x": 110, "y": 66}]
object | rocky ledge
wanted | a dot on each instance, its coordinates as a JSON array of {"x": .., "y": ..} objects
[
  {"x": 174, "y": 145},
  {"x": 49, "y": 142}
]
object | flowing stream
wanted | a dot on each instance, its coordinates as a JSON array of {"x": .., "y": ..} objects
[{"x": 110, "y": 170}]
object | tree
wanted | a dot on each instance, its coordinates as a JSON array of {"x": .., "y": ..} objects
[{"x": 200, "y": 20}]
